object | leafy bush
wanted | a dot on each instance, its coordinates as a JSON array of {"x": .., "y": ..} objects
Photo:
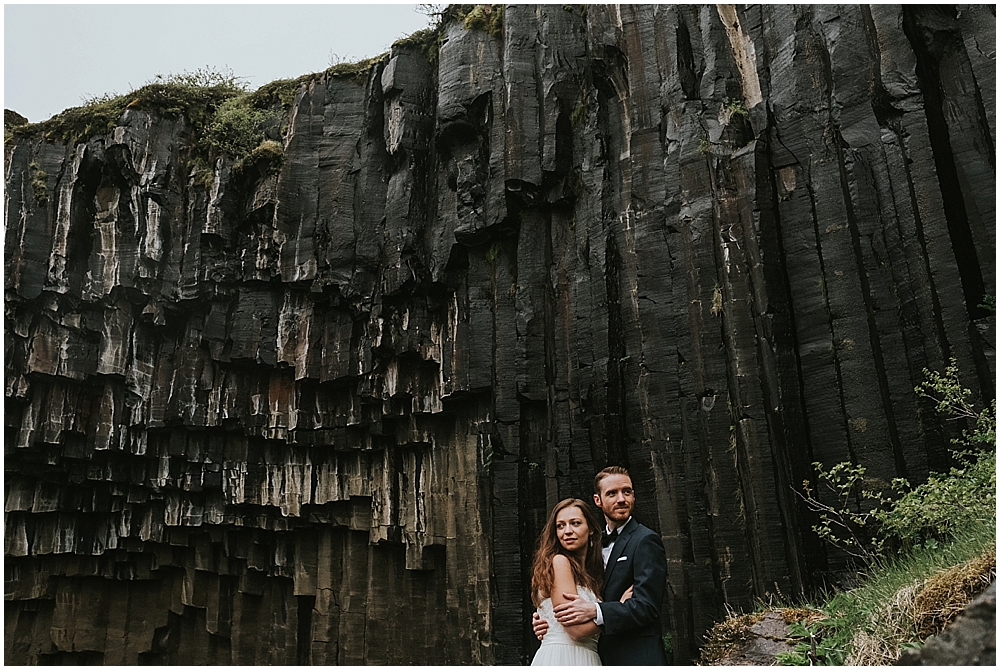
[
  {"x": 955, "y": 402},
  {"x": 736, "y": 107},
  {"x": 842, "y": 524},
  {"x": 930, "y": 512},
  {"x": 943, "y": 534},
  {"x": 934, "y": 510},
  {"x": 236, "y": 128}
]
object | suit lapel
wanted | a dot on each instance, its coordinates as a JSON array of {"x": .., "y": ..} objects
[{"x": 616, "y": 551}]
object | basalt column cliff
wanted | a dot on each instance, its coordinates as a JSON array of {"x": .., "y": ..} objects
[{"x": 318, "y": 413}]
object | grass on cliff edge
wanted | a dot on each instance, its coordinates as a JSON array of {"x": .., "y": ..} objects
[
  {"x": 905, "y": 602},
  {"x": 198, "y": 96},
  {"x": 902, "y": 602}
]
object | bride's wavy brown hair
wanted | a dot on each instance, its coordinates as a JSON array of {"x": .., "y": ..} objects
[{"x": 589, "y": 572}]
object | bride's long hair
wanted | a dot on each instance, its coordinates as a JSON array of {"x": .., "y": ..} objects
[{"x": 588, "y": 572}]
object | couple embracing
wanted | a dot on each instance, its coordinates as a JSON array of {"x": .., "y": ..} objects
[{"x": 598, "y": 593}]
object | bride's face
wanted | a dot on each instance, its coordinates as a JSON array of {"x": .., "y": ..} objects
[{"x": 572, "y": 530}]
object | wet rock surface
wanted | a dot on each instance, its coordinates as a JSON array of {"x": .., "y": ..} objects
[{"x": 319, "y": 416}]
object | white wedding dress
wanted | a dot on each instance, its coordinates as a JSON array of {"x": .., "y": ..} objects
[{"x": 558, "y": 648}]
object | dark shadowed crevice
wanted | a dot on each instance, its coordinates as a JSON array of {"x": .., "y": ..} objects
[
  {"x": 685, "y": 61},
  {"x": 304, "y": 638},
  {"x": 927, "y": 45}
]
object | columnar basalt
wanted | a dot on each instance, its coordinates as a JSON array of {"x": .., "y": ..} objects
[{"x": 319, "y": 415}]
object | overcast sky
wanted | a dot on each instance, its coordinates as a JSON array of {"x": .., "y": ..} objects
[{"x": 57, "y": 55}]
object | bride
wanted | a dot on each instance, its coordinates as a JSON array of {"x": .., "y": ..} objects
[{"x": 567, "y": 561}]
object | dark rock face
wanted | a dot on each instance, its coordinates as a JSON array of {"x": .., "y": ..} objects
[{"x": 319, "y": 417}]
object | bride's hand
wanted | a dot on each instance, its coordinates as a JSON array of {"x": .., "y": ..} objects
[
  {"x": 627, "y": 594},
  {"x": 540, "y": 625}
]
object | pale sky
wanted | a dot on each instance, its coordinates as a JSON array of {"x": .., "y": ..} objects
[{"x": 56, "y": 55}]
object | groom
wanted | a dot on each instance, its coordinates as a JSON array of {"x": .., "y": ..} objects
[{"x": 634, "y": 560}]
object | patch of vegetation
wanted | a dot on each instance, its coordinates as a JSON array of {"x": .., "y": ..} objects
[
  {"x": 226, "y": 120},
  {"x": 906, "y": 600},
  {"x": 488, "y": 18},
  {"x": 578, "y": 117},
  {"x": 903, "y": 601},
  {"x": 355, "y": 71},
  {"x": 194, "y": 96},
  {"x": 704, "y": 146},
  {"x": 427, "y": 40},
  {"x": 820, "y": 642},
  {"x": 989, "y": 303},
  {"x": 935, "y": 510},
  {"x": 12, "y": 119},
  {"x": 955, "y": 403},
  {"x": 892, "y": 515},
  {"x": 716, "y": 300},
  {"x": 728, "y": 636},
  {"x": 493, "y": 253},
  {"x": 236, "y": 128},
  {"x": 39, "y": 183},
  {"x": 736, "y": 107},
  {"x": 265, "y": 159},
  {"x": 280, "y": 94},
  {"x": 926, "y": 551}
]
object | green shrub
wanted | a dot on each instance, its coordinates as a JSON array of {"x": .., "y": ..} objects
[
  {"x": 955, "y": 402},
  {"x": 989, "y": 303},
  {"x": 934, "y": 510},
  {"x": 736, "y": 107},
  {"x": 276, "y": 94},
  {"x": 265, "y": 159},
  {"x": 488, "y": 18},
  {"x": 236, "y": 128},
  {"x": 868, "y": 516}
]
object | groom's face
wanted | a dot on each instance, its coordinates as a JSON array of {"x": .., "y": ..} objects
[{"x": 616, "y": 498}]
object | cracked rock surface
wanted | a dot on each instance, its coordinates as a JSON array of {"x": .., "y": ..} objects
[{"x": 318, "y": 417}]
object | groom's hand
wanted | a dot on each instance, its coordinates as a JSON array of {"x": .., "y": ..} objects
[
  {"x": 540, "y": 625},
  {"x": 576, "y": 611}
]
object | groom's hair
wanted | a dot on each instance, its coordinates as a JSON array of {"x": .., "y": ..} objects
[{"x": 607, "y": 472}]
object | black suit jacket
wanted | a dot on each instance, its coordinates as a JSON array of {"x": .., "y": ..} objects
[{"x": 632, "y": 633}]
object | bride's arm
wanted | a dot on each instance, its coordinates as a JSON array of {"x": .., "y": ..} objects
[{"x": 564, "y": 583}]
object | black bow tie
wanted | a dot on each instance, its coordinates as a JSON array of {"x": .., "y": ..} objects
[{"x": 609, "y": 537}]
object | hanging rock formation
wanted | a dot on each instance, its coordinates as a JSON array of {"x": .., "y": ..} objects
[{"x": 319, "y": 416}]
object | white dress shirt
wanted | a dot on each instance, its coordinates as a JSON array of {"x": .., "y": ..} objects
[{"x": 606, "y": 554}]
